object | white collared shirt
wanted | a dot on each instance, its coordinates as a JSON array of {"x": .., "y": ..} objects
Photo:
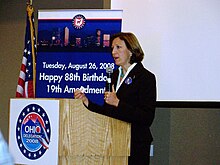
[{"x": 119, "y": 75}]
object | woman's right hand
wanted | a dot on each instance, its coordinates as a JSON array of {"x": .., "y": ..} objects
[{"x": 78, "y": 94}]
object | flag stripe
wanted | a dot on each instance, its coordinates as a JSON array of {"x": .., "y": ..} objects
[
  {"x": 21, "y": 82},
  {"x": 22, "y": 75},
  {"x": 24, "y": 60},
  {"x": 26, "y": 89},
  {"x": 20, "y": 89}
]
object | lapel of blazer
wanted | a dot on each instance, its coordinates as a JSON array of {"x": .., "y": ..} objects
[
  {"x": 129, "y": 79},
  {"x": 115, "y": 78}
]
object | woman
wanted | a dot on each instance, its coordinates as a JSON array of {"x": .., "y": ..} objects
[{"x": 133, "y": 96}]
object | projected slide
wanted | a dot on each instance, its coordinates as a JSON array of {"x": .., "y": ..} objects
[{"x": 181, "y": 44}]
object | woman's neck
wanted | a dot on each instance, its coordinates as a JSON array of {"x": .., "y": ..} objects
[{"x": 125, "y": 68}]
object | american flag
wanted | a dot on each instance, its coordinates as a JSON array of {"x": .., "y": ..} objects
[{"x": 26, "y": 81}]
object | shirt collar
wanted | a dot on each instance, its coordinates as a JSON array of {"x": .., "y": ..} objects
[{"x": 126, "y": 74}]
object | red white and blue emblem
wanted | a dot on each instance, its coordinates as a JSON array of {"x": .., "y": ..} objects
[
  {"x": 128, "y": 81},
  {"x": 33, "y": 131},
  {"x": 79, "y": 21}
]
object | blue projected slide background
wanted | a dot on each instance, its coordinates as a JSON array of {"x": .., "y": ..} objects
[{"x": 71, "y": 57}]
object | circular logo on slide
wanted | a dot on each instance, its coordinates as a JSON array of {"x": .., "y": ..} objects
[
  {"x": 33, "y": 131},
  {"x": 79, "y": 21}
]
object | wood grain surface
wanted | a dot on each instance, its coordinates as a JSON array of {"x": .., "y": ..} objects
[{"x": 88, "y": 138}]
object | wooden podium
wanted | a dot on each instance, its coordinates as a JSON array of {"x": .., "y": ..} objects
[
  {"x": 88, "y": 138},
  {"x": 78, "y": 136}
]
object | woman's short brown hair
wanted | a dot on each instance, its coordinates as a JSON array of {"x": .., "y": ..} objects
[{"x": 132, "y": 44}]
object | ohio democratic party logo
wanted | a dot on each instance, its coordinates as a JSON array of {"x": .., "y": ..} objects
[
  {"x": 33, "y": 131},
  {"x": 79, "y": 21}
]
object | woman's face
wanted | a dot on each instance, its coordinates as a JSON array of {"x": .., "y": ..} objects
[{"x": 120, "y": 53}]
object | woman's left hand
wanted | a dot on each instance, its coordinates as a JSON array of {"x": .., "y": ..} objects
[{"x": 111, "y": 97}]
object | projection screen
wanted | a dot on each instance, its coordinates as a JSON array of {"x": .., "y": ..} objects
[{"x": 181, "y": 41}]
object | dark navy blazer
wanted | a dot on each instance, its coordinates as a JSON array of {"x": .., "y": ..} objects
[{"x": 137, "y": 104}]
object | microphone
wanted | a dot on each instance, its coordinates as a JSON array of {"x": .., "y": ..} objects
[{"x": 109, "y": 72}]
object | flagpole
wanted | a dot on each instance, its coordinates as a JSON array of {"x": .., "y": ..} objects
[{"x": 30, "y": 11}]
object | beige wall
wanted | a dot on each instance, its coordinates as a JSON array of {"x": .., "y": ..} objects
[{"x": 181, "y": 135}]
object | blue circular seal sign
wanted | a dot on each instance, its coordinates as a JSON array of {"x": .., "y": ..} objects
[
  {"x": 79, "y": 21},
  {"x": 33, "y": 131}
]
